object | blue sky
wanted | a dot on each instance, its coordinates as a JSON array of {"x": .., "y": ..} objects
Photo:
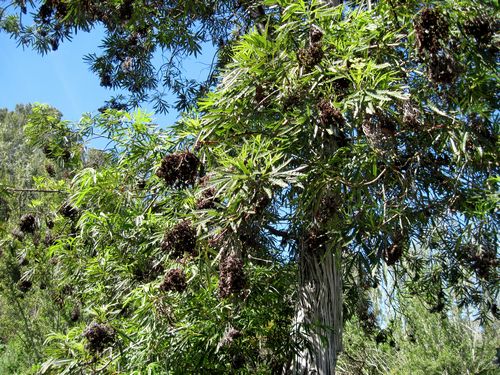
[{"x": 63, "y": 80}]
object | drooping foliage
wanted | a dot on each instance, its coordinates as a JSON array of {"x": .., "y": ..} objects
[
  {"x": 136, "y": 34},
  {"x": 344, "y": 149}
]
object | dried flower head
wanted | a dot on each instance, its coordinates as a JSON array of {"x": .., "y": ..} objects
[
  {"x": 431, "y": 29},
  {"x": 180, "y": 239},
  {"x": 175, "y": 281},
  {"x": 180, "y": 169},
  {"x": 329, "y": 116},
  {"x": 99, "y": 336},
  {"x": 27, "y": 224},
  {"x": 69, "y": 211},
  {"x": 231, "y": 276}
]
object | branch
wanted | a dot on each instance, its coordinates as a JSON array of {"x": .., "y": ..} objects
[
  {"x": 34, "y": 190},
  {"x": 277, "y": 232}
]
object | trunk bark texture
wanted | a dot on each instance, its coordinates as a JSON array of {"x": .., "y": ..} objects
[{"x": 319, "y": 314}]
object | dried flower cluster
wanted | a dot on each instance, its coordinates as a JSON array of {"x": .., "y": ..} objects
[
  {"x": 207, "y": 199},
  {"x": 27, "y": 224},
  {"x": 432, "y": 33},
  {"x": 180, "y": 169},
  {"x": 482, "y": 28},
  {"x": 311, "y": 56},
  {"x": 180, "y": 239},
  {"x": 69, "y": 211},
  {"x": 431, "y": 30},
  {"x": 49, "y": 168},
  {"x": 99, "y": 336},
  {"x": 329, "y": 116},
  {"x": 24, "y": 285},
  {"x": 231, "y": 276},
  {"x": 393, "y": 253},
  {"x": 75, "y": 313},
  {"x": 380, "y": 130},
  {"x": 482, "y": 260},
  {"x": 175, "y": 281}
]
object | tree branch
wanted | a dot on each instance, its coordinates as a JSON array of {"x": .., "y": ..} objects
[{"x": 34, "y": 190}]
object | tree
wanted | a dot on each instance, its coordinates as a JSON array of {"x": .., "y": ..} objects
[
  {"x": 343, "y": 148},
  {"x": 416, "y": 341},
  {"x": 137, "y": 32}
]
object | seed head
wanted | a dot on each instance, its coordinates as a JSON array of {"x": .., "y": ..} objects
[
  {"x": 180, "y": 239},
  {"x": 175, "y": 281},
  {"x": 180, "y": 169},
  {"x": 231, "y": 276}
]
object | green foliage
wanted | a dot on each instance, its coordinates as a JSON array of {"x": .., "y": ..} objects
[
  {"x": 135, "y": 33},
  {"x": 420, "y": 342}
]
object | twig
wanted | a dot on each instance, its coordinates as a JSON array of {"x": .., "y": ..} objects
[{"x": 35, "y": 190}]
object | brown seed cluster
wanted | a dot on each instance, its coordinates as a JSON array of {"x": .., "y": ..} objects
[
  {"x": 410, "y": 115},
  {"x": 341, "y": 87},
  {"x": 315, "y": 241},
  {"x": 482, "y": 28},
  {"x": 51, "y": 171},
  {"x": 431, "y": 28},
  {"x": 175, "y": 281},
  {"x": 179, "y": 169},
  {"x": 24, "y": 285},
  {"x": 311, "y": 56},
  {"x": 27, "y": 224},
  {"x": 207, "y": 200},
  {"x": 329, "y": 116},
  {"x": 380, "y": 130},
  {"x": 69, "y": 211},
  {"x": 52, "y": 7},
  {"x": 442, "y": 68},
  {"x": 483, "y": 261},
  {"x": 75, "y": 313},
  {"x": 99, "y": 336},
  {"x": 232, "y": 278},
  {"x": 180, "y": 239},
  {"x": 393, "y": 253}
]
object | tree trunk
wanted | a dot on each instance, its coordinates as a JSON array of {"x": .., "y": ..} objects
[{"x": 319, "y": 313}]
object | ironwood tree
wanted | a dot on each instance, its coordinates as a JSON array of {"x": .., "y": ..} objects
[{"x": 342, "y": 149}]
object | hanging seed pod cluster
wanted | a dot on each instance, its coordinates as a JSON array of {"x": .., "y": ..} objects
[
  {"x": 393, "y": 253},
  {"x": 482, "y": 261},
  {"x": 379, "y": 130},
  {"x": 175, "y": 281},
  {"x": 99, "y": 336},
  {"x": 431, "y": 30},
  {"x": 179, "y": 170},
  {"x": 207, "y": 199},
  {"x": 69, "y": 211},
  {"x": 180, "y": 239},
  {"x": 27, "y": 224},
  {"x": 481, "y": 28},
  {"x": 329, "y": 116},
  {"x": 231, "y": 276},
  {"x": 432, "y": 34},
  {"x": 313, "y": 54}
]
